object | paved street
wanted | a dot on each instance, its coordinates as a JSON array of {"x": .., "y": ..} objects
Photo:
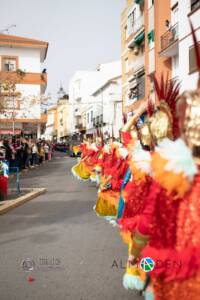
[{"x": 72, "y": 249}]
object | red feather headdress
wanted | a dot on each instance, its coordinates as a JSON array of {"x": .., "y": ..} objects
[{"x": 168, "y": 91}]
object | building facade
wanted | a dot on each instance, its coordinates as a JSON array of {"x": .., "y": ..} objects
[
  {"x": 83, "y": 105},
  {"x": 63, "y": 119},
  {"x": 156, "y": 39},
  {"x": 22, "y": 84},
  {"x": 106, "y": 112},
  {"x": 51, "y": 124}
]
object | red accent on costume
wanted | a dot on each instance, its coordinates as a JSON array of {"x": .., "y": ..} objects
[
  {"x": 134, "y": 194},
  {"x": 4, "y": 185},
  {"x": 126, "y": 138}
]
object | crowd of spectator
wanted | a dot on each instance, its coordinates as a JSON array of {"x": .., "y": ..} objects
[{"x": 24, "y": 153}]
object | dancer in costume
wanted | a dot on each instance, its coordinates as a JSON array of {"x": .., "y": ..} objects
[
  {"x": 184, "y": 283},
  {"x": 173, "y": 170},
  {"x": 134, "y": 189},
  {"x": 80, "y": 170},
  {"x": 114, "y": 169}
]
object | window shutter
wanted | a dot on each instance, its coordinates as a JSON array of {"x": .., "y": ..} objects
[{"x": 192, "y": 60}]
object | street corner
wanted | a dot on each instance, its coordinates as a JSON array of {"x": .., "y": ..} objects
[{"x": 25, "y": 195}]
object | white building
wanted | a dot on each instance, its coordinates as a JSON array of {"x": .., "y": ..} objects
[
  {"x": 106, "y": 108},
  {"x": 179, "y": 41},
  {"x": 51, "y": 125},
  {"x": 187, "y": 64},
  {"x": 21, "y": 64},
  {"x": 81, "y": 87}
]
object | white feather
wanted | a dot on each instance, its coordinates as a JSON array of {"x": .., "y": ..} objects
[
  {"x": 123, "y": 152},
  {"x": 142, "y": 158},
  {"x": 179, "y": 157}
]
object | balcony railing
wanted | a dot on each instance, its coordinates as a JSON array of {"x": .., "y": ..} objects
[
  {"x": 24, "y": 77},
  {"x": 169, "y": 37},
  {"x": 138, "y": 62},
  {"x": 136, "y": 26},
  {"x": 79, "y": 126}
]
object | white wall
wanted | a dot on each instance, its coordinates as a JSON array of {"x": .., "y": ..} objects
[
  {"x": 188, "y": 81},
  {"x": 110, "y": 96},
  {"x": 83, "y": 84},
  {"x": 29, "y": 59}
]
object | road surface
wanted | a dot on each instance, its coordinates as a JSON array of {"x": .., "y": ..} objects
[{"x": 70, "y": 252}]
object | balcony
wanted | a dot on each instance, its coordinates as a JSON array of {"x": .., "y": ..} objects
[
  {"x": 98, "y": 121},
  {"x": 80, "y": 127},
  {"x": 136, "y": 28},
  {"x": 20, "y": 77},
  {"x": 169, "y": 42},
  {"x": 138, "y": 64}
]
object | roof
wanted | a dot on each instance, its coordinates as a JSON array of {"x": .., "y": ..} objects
[
  {"x": 103, "y": 85},
  {"x": 17, "y": 41}
]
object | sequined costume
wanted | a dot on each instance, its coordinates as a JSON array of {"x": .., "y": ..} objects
[
  {"x": 173, "y": 171},
  {"x": 114, "y": 169}
]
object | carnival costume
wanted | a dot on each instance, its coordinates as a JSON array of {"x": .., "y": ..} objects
[{"x": 114, "y": 169}]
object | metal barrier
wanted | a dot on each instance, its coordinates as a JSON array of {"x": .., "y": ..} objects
[{"x": 17, "y": 178}]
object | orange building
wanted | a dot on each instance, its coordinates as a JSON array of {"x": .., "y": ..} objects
[
  {"x": 23, "y": 82},
  {"x": 143, "y": 31}
]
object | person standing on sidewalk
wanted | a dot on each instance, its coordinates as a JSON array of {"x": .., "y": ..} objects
[
  {"x": 34, "y": 154},
  {"x": 46, "y": 151}
]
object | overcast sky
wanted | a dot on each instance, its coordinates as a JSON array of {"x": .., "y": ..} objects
[{"x": 81, "y": 33}]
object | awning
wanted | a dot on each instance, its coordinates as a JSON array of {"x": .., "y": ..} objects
[
  {"x": 139, "y": 39},
  {"x": 139, "y": 1},
  {"x": 10, "y": 131},
  {"x": 151, "y": 36}
]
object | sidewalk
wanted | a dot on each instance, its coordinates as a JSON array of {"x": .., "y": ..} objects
[
  {"x": 30, "y": 194},
  {"x": 26, "y": 194}
]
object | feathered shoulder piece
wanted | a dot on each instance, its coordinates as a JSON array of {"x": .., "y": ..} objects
[
  {"x": 122, "y": 152},
  {"x": 167, "y": 92},
  {"x": 106, "y": 148},
  {"x": 173, "y": 166},
  {"x": 140, "y": 163}
]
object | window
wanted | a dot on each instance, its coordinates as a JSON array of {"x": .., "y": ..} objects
[
  {"x": 151, "y": 39},
  {"x": 174, "y": 15},
  {"x": 9, "y": 64},
  {"x": 141, "y": 86},
  {"x": 126, "y": 65},
  {"x": 126, "y": 32},
  {"x": 192, "y": 60},
  {"x": 131, "y": 21},
  {"x": 175, "y": 66},
  {"x": 91, "y": 119},
  {"x": 195, "y": 4},
  {"x": 150, "y": 3}
]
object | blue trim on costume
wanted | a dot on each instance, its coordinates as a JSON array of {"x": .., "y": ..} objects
[{"x": 121, "y": 200}]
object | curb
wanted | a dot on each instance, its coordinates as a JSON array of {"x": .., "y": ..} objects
[
  {"x": 11, "y": 204},
  {"x": 25, "y": 171}
]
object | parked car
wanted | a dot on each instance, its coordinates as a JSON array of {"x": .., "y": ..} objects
[{"x": 62, "y": 147}]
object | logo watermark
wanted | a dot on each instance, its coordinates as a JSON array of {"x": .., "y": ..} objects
[
  {"x": 28, "y": 265},
  {"x": 147, "y": 264},
  {"x": 44, "y": 265}
]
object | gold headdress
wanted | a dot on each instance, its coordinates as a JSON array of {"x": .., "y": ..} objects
[{"x": 164, "y": 122}]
